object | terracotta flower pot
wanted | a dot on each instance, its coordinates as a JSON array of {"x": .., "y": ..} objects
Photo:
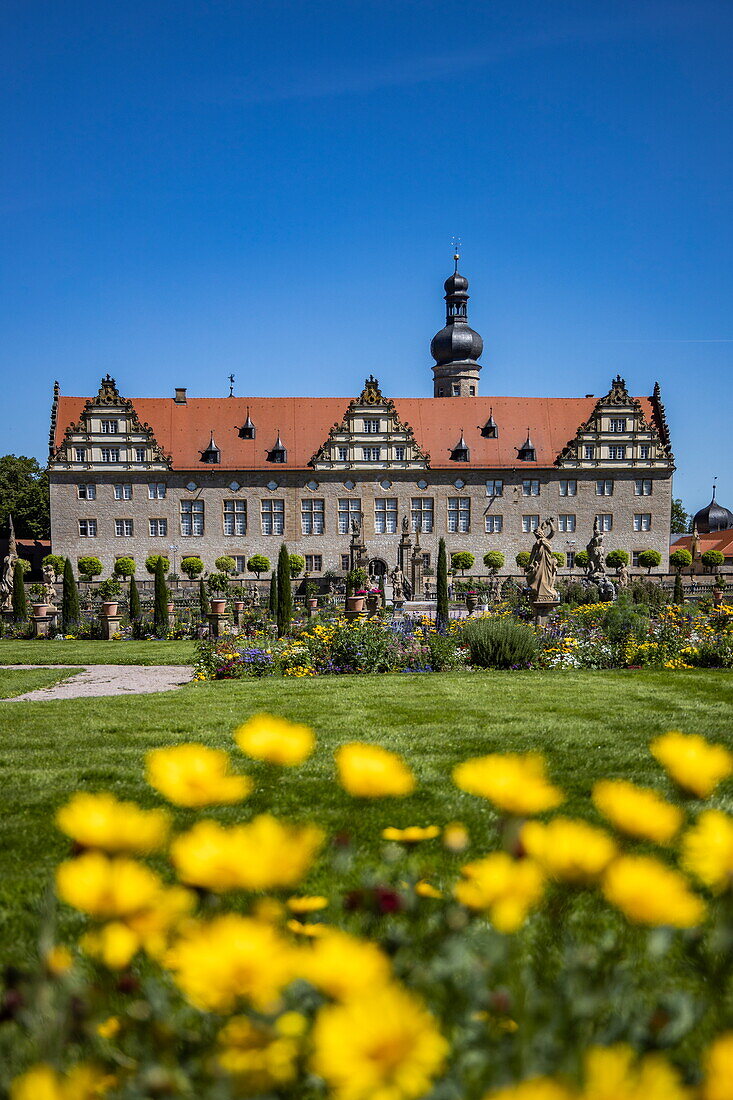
[
  {"x": 109, "y": 609},
  {"x": 171, "y": 608},
  {"x": 239, "y": 605},
  {"x": 313, "y": 603},
  {"x": 218, "y": 607},
  {"x": 354, "y": 603},
  {"x": 40, "y": 610}
]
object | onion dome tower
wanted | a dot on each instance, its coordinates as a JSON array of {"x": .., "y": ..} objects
[
  {"x": 713, "y": 518},
  {"x": 456, "y": 347}
]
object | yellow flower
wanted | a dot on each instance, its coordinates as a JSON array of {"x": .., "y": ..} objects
[
  {"x": 306, "y": 904},
  {"x": 257, "y": 1055},
  {"x": 649, "y": 892},
  {"x": 275, "y": 740},
  {"x": 42, "y": 1082},
  {"x": 194, "y": 775},
  {"x": 569, "y": 850},
  {"x": 425, "y": 890},
  {"x": 382, "y": 1046},
  {"x": 503, "y": 887},
  {"x": 692, "y": 761},
  {"x": 412, "y": 834},
  {"x": 231, "y": 958},
  {"x": 718, "y": 1065},
  {"x": 369, "y": 771},
  {"x": 455, "y": 837},
  {"x": 59, "y": 960},
  {"x": 638, "y": 811},
  {"x": 343, "y": 966},
  {"x": 313, "y": 931},
  {"x": 610, "y": 1074},
  {"x": 707, "y": 849},
  {"x": 514, "y": 783},
  {"x": 259, "y": 856},
  {"x": 536, "y": 1088},
  {"x": 106, "y": 888},
  {"x": 109, "y": 1027},
  {"x": 100, "y": 821},
  {"x": 114, "y": 945}
]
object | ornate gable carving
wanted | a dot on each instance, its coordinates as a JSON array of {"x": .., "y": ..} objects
[
  {"x": 371, "y": 435},
  {"x": 618, "y": 434}
]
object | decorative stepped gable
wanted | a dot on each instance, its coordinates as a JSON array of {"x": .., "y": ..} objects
[
  {"x": 370, "y": 436},
  {"x": 618, "y": 434},
  {"x": 108, "y": 435}
]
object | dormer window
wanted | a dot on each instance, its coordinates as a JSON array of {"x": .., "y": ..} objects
[
  {"x": 460, "y": 452},
  {"x": 278, "y": 452},
  {"x": 527, "y": 453},
  {"x": 248, "y": 430},
  {"x": 490, "y": 429},
  {"x": 371, "y": 426},
  {"x": 212, "y": 454},
  {"x": 617, "y": 425},
  {"x": 110, "y": 427}
]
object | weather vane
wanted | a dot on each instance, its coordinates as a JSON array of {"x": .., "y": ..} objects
[
  {"x": 456, "y": 250},
  {"x": 231, "y": 385}
]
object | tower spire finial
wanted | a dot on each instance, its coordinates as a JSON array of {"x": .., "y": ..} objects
[{"x": 456, "y": 242}]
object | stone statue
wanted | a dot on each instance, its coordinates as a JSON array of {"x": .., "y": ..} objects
[
  {"x": 356, "y": 527},
  {"x": 595, "y": 552},
  {"x": 405, "y": 525},
  {"x": 542, "y": 567},
  {"x": 48, "y": 583},
  {"x": 398, "y": 585},
  {"x": 622, "y": 577},
  {"x": 8, "y": 568}
]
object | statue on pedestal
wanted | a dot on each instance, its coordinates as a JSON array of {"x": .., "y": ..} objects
[
  {"x": 8, "y": 568},
  {"x": 398, "y": 585},
  {"x": 542, "y": 567},
  {"x": 48, "y": 583},
  {"x": 595, "y": 552},
  {"x": 622, "y": 577}
]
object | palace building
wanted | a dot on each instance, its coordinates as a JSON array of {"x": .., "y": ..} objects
[{"x": 237, "y": 476}]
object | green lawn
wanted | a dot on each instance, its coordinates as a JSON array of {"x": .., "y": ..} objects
[
  {"x": 15, "y": 682},
  {"x": 589, "y": 724},
  {"x": 42, "y": 652}
]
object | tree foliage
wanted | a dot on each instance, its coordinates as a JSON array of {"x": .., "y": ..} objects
[
  {"x": 522, "y": 559},
  {"x": 441, "y": 581},
  {"x": 273, "y": 596},
  {"x": 19, "y": 601},
  {"x": 56, "y": 562},
  {"x": 463, "y": 560},
  {"x": 225, "y": 564},
  {"x": 203, "y": 599},
  {"x": 582, "y": 559},
  {"x": 297, "y": 565},
  {"x": 24, "y": 495},
  {"x": 493, "y": 560},
  {"x": 89, "y": 567},
  {"x": 680, "y": 559},
  {"x": 616, "y": 558},
  {"x": 160, "y": 610},
  {"x": 151, "y": 563},
  {"x": 134, "y": 597},
  {"x": 69, "y": 600},
  {"x": 125, "y": 567},
  {"x": 258, "y": 563},
  {"x": 680, "y": 519},
  {"x": 712, "y": 559},
  {"x": 284, "y": 592},
  {"x": 192, "y": 566},
  {"x": 650, "y": 559}
]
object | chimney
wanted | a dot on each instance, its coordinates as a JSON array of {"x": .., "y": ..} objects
[{"x": 180, "y": 398}]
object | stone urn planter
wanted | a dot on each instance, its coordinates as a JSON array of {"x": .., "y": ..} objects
[
  {"x": 373, "y": 602},
  {"x": 355, "y": 604},
  {"x": 109, "y": 609},
  {"x": 717, "y": 595},
  {"x": 239, "y": 605},
  {"x": 218, "y": 607},
  {"x": 40, "y": 610},
  {"x": 171, "y": 608},
  {"x": 471, "y": 602},
  {"x": 313, "y": 604}
]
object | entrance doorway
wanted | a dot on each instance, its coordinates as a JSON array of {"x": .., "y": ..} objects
[{"x": 377, "y": 568}]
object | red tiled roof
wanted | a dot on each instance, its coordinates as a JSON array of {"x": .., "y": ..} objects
[
  {"x": 183, "y": 431},
  {"x": 716, "y": 540}
]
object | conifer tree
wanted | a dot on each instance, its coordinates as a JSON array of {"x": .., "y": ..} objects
[
  {"x": 284, "y": 593},
  {"x": 134, "y": 601},
  {"x": 679, "y": 592},
  {"x": 203, "y": 599},
  {"x": 160, "y": 613},
  {"x": 69, "y": 600},
  {"x": 441, "y": 614},
  {"x": 273, "y": 596},
  {"x": 19, "y": 601}
]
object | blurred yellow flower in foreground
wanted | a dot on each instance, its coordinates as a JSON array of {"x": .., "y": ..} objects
[
  {"x": 707, "y": 850},
  {"x": 383, "y": 1046},
  {"x": 109, "y": 1027},
  {"x": 194, "y": 775},
  {"x": 515, "y": 783},
  {"x": 610, "y": 1074},
  {"x": 638, "y": 811},
  {"x": 503, "y": 887},
  {"x": 412, "y": 834},
  {"x": 344, "y": 966},
  {"x": 649, "y": 892},
  {"x": 369, "y": 771},
  {"x": 692, "y": 761},
  {"x": 718, "y": 1064},
  {"x": 266, "y": 737},
  {"x": 261, "y": 855},
  {"x": 257, "y": 1055},
  {"x": 42, "y": 1082},
  {"x": 568, "y": 849},
  {"x": 59, "y": 960},
  {"x": 306, "y": 904},
  {"x": 106, "y": 887},
  {"x": 424, "y": 890},
  {"x": 101, "y": 821},
  {"x": 456, "y": 837},
  {"x": 218, "y": 963},
  {"x": 536, "y": 1088},
  {"x": 117, "y": 942}
]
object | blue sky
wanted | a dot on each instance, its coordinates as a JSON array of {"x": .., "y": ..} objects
[{"x": 193, "y": 189}]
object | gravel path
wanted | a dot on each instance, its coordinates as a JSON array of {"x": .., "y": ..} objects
[{"x": 108, "y": 680}]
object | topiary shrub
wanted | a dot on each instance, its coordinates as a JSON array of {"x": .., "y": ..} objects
[
  {"x": 522, "y": 559},
  {"x": 559, "y": 558},
  {"x": 615, "y": 559},
  {"x": 125, "y": 567},
  {"x": 192, "y": 567},
  {"x": 89, "y": 567},
  {"x": 225, "y": 564},
  {"x": 258, "y": 563},
  {"x": 494, "y": 560},
  {"x": 650, "y": 559},
  {"x": 57, "y": 564},
  {"x": 582, "y": 559},
  {"x": 500, "y": 643},
  {"x": 711, "y": 559},
  {"x": 680, "y": 559},
  {"x": 463, "y": 560},
  {"x": 151, "y": 563},
  {"x": 297, "y": 565}
]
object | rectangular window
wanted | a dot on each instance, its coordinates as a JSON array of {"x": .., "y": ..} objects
[
  {"x": 644, "y": 450},
  {"x": 241, "y": 562},
  {"x": 123, "y": 492},
  {"x": 313, "y": 563},
  {"x": 110, "y": 427},
  {"x": 570, "y": 559},
  {"x": 349, "y": 509},
  {"x": 158, "y": 526},
  {"x": 156, "y": 490},
  {"x": 566, "y": 523},
  {"x": 81, "y": 454},
  {"x": 635, "y": 557},
  {"x": 605, "y": 521},
  {"x": 617, "y": 425},
  {"x": 494, "y": 524},
  {"x": 385, "y": 515},
  {"x": 372, "y": 454},
  {"x": 344, "y": 562},
  {"x": 311, "y": 516},
  {"x": 273, "y": 517},
  {"x": 643, "y": 521},
  {"x": 87, "y": 492},
  {"x": 399, "y": 454},
  {"x": 568, "y": 488},
  {"x": 110, "y": 454},
  {"x": 192, "y": 517},
  {"x": 530, "y": 487},
  {"x": 530, "y": 523},
  {"x": 235, "y": 517},
  {"x": 459, "y": 514},
  {"x": 123, "y": 528},
  {"x": 589, "y": 451},
  {"x": 87, "y": 528},
  {"x": 456, "y": 390},
  {"x": 604, "y": 488},
  {"x": 343, "y": 453},
  {"x": 495, "y": 488},
  {"x": 643, "y": 487},
  {"x": 371, "y": 427},
  {"x": 421, "y": 509},
  {"x": 140, "y": 454},
  {"x": 617, "y": 452}
]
